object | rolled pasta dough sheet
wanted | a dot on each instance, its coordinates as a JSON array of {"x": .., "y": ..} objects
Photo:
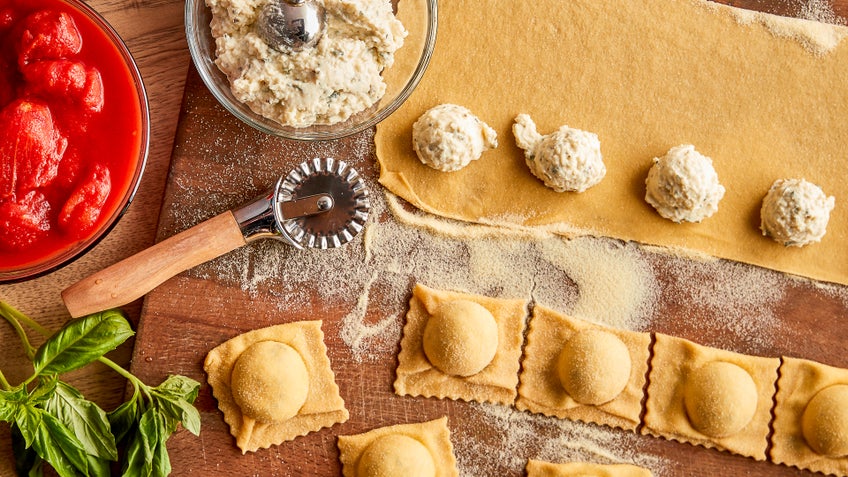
[{"x": 763, "y": 96}]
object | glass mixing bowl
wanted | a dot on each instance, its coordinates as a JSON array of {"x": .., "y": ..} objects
[
  {"x": 104, "y": 48},
  {"x": 401, "y": 78}
]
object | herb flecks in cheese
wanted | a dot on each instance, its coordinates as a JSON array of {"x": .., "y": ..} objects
[
  {"x": 567, "y": 160},
  {"x": 683, "y": 186},
  {"x": 327, "y": 84},
  {"x": 448, "y": 137},
  {"x": 795, "y": 212}
]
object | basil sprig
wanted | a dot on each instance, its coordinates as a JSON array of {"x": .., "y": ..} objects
[{"x": 52, "y": 422}]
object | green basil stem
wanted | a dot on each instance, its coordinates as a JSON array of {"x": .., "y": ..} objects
[
  {"x": 15, "y": 318},
  {"x": 3, "y": 383}
]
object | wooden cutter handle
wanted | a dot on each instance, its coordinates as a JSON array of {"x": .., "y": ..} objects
[{"x": 134, "y": 276}]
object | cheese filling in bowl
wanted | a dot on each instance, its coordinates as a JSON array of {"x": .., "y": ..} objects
[{"x": 367, "y": 62}]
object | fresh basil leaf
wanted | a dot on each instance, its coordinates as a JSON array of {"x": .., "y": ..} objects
[
  {"x": 180, "y": 386},
  {"x": 140, "y": 449},
  {"x": 27, "y": 461},
  {"x": 9, "y": 403},
  {"x": 124, "y": 418},
  {"x": 85, "y": 419},
  {"x": 161, "y": 460},
  {"x": 58, "y": 446},
  {"x": 82, "y": 341},
  {"x": 164, "y": 427},
  {"x": 175, "y": 397},
  {"x": 28, "y": 419},
  {"x": 177, "y": 409},
  {"x": 45, "y": 388},
  {"x": 98, "y": 467}
]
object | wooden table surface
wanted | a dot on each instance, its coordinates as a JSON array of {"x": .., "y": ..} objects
[
  {"x": 153, "y": 29},
  {"x": 154, "y": 33}
]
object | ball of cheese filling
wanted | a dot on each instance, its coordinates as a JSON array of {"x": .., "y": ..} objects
[
  {"x": 825, "y": 421},
  {"x": 396, "y": 455},
  {"x": 461, "y": 338},
  {"x": 567, "y": 160},
  {"x": 795, "y": 212},
  {"x": 448, "y": 137},
  {"x": 683, "y": 185},
  {"x": 269, "y": 381},
  {"x": 720, "y": 398},
  {"x": 594, "y": 366}
]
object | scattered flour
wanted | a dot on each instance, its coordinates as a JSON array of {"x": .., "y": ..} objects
[
  {"x": 552, "y": 440},
  {"x": 817, "y": 28},
  {"x": 819, "y": 11},
  {"x": 738, "y": 299}
]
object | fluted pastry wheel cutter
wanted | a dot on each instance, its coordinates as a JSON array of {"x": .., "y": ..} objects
[{"x": 323, "y": 203}]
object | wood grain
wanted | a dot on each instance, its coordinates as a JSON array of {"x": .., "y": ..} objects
[{"x": 190, "y": 314}]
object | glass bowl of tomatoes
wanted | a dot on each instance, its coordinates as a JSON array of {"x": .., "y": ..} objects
[{"x": 74, "y": 133}]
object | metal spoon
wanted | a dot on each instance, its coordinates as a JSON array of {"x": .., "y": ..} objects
[{"x": 293, "y": 24}]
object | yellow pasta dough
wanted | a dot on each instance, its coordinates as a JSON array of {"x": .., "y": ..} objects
[
  {"x": 594, "y": 366},
  {"x": 396, "y": 454},
  {"x": 461, "y": 338},
  {"x": 704, "y": 396},
  {"x": 443, "y": 366},
  {"x": 258, "y": 379},
  {"x": 810, "y": 422},
  {"x": 410, "y": 450},
  {"x": 536, "y": 468},
  {"x": 605, "y": 370},
  {"x": 269, "y": 381},
  {"x": 720, "y": 398},
  {"x": 825, "y": 421},
  {"x": 644, "y": 76}
]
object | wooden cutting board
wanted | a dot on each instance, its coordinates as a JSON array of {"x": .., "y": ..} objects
[
  {"x": 218, "y": 163},
  {"x": 189, "y": 315}
]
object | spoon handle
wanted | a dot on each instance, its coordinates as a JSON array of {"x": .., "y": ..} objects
[{"x": 134, "y": 276}]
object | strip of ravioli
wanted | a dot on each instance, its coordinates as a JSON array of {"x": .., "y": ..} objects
[
  {"x": 665, "y": 416},
  {"x": 541, "y": 391},
  {"x": 324, "y": 406},
  {"x": 496, "y": 383},
  {"x": 434, "y": 435},
  {"x": 645, "y": 76},
  {"x": 800, "y": 380}
]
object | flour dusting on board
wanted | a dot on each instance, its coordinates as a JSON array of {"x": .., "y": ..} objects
[
  {"x": 819, "y": 11},
  {"x": 553, "y": 440},
  {"x": 817, "y": 28}
]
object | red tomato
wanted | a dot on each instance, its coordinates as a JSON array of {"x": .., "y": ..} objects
[
  {"x": 30, "y": 147},
  {"x": 80, "y": 213},
  {"x": 65, "y": 80},
  {"x": 48, "y": 35},
  {"x": 24, "y": 221}
]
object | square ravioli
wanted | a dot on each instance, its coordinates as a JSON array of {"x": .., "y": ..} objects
[
  {"x": 536, "y": 468},
  {"x": 461, "y": 346},
  {"x": 606, "y": 387},
  {"x": 811, "y": 417},
  {"x": 274, "y": 384},
  {"x": 710, "y": 397},
  {"x": 404, "y": 449}
]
